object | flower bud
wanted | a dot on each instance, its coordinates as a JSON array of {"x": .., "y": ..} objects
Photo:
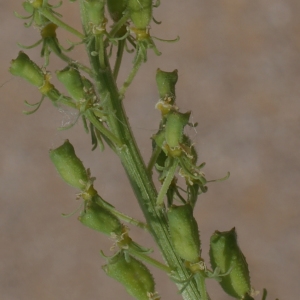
[
  {"x": 132, "y": 274},
  {"x": 99, "y": 218},
  {"x": 184, "y": 232},
  {"x": 69, "y": 166},
  {"x": 72, "y": 80},
  {"x": 140, "y": 12},
  {"x": 24, "y": 67},
  {"x": 226, "y": 255}
]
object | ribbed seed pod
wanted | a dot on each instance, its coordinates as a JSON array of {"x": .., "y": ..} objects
[
  {"x": 166, "y": 82},
  {"x": 184, "y": 232},
  {"x": 116, "y": 8},
  {"x": 24, "y": 67},
  {"x": 71, "y": 79},
  {"x": 225, "y": 254},
  {"x": 132, "y": 274},
  {"x": 99, "y": 218},
  {"x": 28, "y": 7},
  {"x": 140, "y": 12},
  {"x": 69, "y": 166},
  {"x": 36, "y": 3},
  {"x": 49, "y": 31},
  {"x": 94, "y": 10},
  {"x": 175, "y": 124}
]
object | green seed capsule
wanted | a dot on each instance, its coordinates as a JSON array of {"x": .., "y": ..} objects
[
  {"x": 100, "y": 219},
  {"x": 24, "y": 67},
  {"x": 225, "y": 254},
  {"x": 116, "y": 8},
  {"x": 94, "y": 10},
  {"x": 72, "y": 80},
  {"x": 36, "y": 3},
  {"x": 132, "y": 274},
  {"x": 184, "y": 232},
  {"x": 174, "y": 128},
  {"x": 69, "y": 166},
  {"x": 166, "y": 82},
  {"x": 28, "y": 7},
  {"x": 140, "y": 12},
  {"x": 49, "y": 31}
]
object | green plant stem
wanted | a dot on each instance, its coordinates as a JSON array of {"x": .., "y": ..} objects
[
  {"x": 200, "y": 280},
  {"x": 120, "y": 215},
  {"x": 145, "y": 258},
  {"x": 136, "y": 66},
  {"x": 90, "y": 115},
  {"x": 134, "y": 165},
  {"x": 57, "y": 97},
  {"x": 153, "y": 159},
  {"x": 49, "y": 15},
  {"x": 99, "y": 44},
  {"x": 116, "y": 27},
  {"x": 120, "y": 51},
  {"x": 69, "y": 60},
  {"x": 167, "y": 181}
]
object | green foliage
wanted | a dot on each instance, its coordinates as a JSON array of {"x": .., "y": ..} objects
[{"x": 98, "y": 99}]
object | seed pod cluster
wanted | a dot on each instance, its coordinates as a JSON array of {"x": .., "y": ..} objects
[
  {"x": 132, "y": 274},
  {"x": 69, "y": 166},
  {"x": 99, "y": 218},
  {"x": 225, "y": 254},
  {"x": 184, "y": 232}
]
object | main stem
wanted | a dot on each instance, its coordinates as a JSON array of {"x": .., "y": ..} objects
[{"x": 132, "y": 161}]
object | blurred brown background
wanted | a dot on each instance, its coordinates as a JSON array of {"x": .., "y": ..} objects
[{"x": 239, "y": 71}]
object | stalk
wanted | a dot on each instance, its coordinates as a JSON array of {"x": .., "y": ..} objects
[{"x": 133, "y": 163}]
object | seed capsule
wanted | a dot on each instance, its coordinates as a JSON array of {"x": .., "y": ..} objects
[
  {"x": 166, "y": 82},
  {"x": 71, "y": 79},
  {"x": 24, "y": 67},
  {"x": 100, "y": 219},
  {"x": 28, "y": 7},
  {"x": 69, "y": 166},
  {"x": 132, "y": 274},
  {"x": 94, "y": 10},
  {"x": 225, "y": 254},
  {"x": 140, "y": 12},
  {"x": 184, "y": 232},
  {"x": 174, "y": 128},
  {"x": 49, "y": 31},
  {"x": 116, "y": 8},
  {"x": 36, "y": 3}
]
